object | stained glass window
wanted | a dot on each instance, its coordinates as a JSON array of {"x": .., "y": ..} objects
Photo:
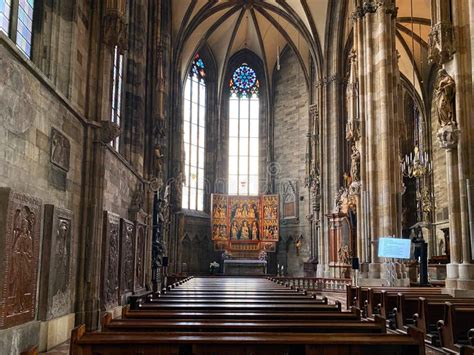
[
  {"x": 244, "y": 82},
  {"x": 25, "y": 26},
  {"x": 22, "y": 34},
  {"x": 5, "y": 10},
  {"x": 194, "y": 127},
  {"x": 117, "y": 80},
  {"x": 243, "y": 132}
]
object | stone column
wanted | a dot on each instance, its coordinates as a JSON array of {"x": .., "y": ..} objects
[
  {"x": 450, "y": 39},
  {"x": 375, "y": 34},
  {"x": 448, "y": 138}
]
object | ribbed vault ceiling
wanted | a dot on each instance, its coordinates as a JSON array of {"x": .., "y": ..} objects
[
  {"x": 262, "y": 26},
  {"x": 267, "y": 26}
]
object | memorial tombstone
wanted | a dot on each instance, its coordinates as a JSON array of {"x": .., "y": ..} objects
[
  {"x": 110, "y": 261},
  {"x": 127, "y": 256},
  {"x": 20, "y": 220},
  {"x": 56, "y": 272},
  {"x": 140, "y": 247}
]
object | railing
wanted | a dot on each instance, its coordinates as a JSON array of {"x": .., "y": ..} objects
[{"x": 316, "y": 283}]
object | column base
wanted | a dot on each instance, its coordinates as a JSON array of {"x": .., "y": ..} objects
[
  {"x": 55, "y": 331},
  {"x": 460, "y": 280},
  {"x": 378, "y": 275}
]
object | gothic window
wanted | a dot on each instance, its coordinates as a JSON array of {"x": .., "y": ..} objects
[
  {"x": 117, "y": 81},
  {"x": 194, "y": 127},
  {"x": 243, "y": 131},
  {"x": 16, "y": 21}
]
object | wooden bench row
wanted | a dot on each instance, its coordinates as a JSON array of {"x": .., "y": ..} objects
[{"x": 233, "y": 316}]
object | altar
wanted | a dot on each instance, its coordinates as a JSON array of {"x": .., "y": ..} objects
[{"x": 245, "y": 267}]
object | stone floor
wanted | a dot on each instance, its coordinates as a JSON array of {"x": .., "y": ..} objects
[{"x": 61, "y": 349}]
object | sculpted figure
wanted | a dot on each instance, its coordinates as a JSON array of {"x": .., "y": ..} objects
[
  {"x": 22, "y": 260},
  {"x": 444, "y": 99},
  {"x": 355, "y": 164}
]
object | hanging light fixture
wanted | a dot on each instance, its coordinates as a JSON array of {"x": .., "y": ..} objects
[{"x": 417, "y": 164}]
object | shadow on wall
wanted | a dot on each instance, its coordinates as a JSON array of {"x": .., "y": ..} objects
[{"x": 196, "y": 254}]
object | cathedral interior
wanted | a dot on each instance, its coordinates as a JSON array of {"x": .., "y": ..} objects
[{"x": 146, "y": 141}]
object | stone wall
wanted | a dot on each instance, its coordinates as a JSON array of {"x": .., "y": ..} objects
[
  {"x": 291, "y": 125},
  {"x": 120, "y": 184},
  {"x": 41, "y": 140},
  {"x": 440, "y": 215},
  {"x": 195, "y": 248}
]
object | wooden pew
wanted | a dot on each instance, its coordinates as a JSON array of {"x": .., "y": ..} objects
[
  {"x": 411, "y": 307},
  {"x": 234, "y": 325},
  {"x": 430, "y": 311},
  {"x": 239, "y": 307},
  {"x": 240, "y": 315},
  {"x": 382, "y": 300},
  {"x": 243, "y": 343},
  {"x": 454, "y": 327}
]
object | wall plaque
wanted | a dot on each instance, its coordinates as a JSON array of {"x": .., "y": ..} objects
[
  {"x": 289, "y": 200},
  {"x": 56, "y": 272},
  {"x": 60, "y": 149},
  {"x": 110, "y": 261},
  {"x": 140, "y": 248},
  {"x": 127, "y": 256},
  {"x": 20, "y": 220}
]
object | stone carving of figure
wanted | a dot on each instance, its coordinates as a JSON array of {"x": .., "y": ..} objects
[
  {"x": 299, "y": 244},
  {"x": 244, "y": 232},
  {"x": 355, "y": 164},
  {"x": 255, "y": 235},
  {"x": 62, "y": 256},
  {"x": 22, "y": 260},
  {"x": 138, "y": 198},
  {"x": 158, "y": 161},
  {"x": 338, "y": 199},
  {"x": 112, "y": 269},
  {"x": 234, "y": 230},
  {"x": 444, "y": 99}
]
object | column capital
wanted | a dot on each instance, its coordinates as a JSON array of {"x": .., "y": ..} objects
[{"x": 448, "y": 136}]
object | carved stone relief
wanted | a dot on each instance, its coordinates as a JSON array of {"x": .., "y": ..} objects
[
  {"x": 60, "y": 150},
  {"x": 140, "y": 247},
  {"x": 110, "y": 261},
  {"x": 289, "y": 200},
  {"x": 18, "y": 112},
  {"x": 56, "y": 272},
  {"x": 127, "y": 256},
  {"x": 20, "y": 220}
]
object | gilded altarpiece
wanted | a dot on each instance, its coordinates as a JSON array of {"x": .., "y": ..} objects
[
  {"x": 56, "y": 271},
  {"x": 127, "y": 256},
  {"x": 20, "y": 220},
  {"x": 110, "y": 261},
  {"x": 245, "y": 225}
]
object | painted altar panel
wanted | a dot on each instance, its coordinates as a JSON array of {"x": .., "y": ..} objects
[
  {"x": 245, "y": 224},
  {"x": 219, "y": 217},
  {"x": 271, "y": 224},
  {"x": 244, "y": 214},
  {"x": 20, "y": 220}
]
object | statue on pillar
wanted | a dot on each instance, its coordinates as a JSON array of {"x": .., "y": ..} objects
[
  {"x": 355, "y": 163},
  {"x": 445, "y": 91},
  {"x": 444, "y": 99}
]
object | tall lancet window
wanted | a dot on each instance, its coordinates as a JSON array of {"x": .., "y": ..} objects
[
  {"x": 16, "y": 21},
  {"x": 243, "y": 132},
  {"x": 117, "y": 81},
  {"x": 194, "y": 128}
]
